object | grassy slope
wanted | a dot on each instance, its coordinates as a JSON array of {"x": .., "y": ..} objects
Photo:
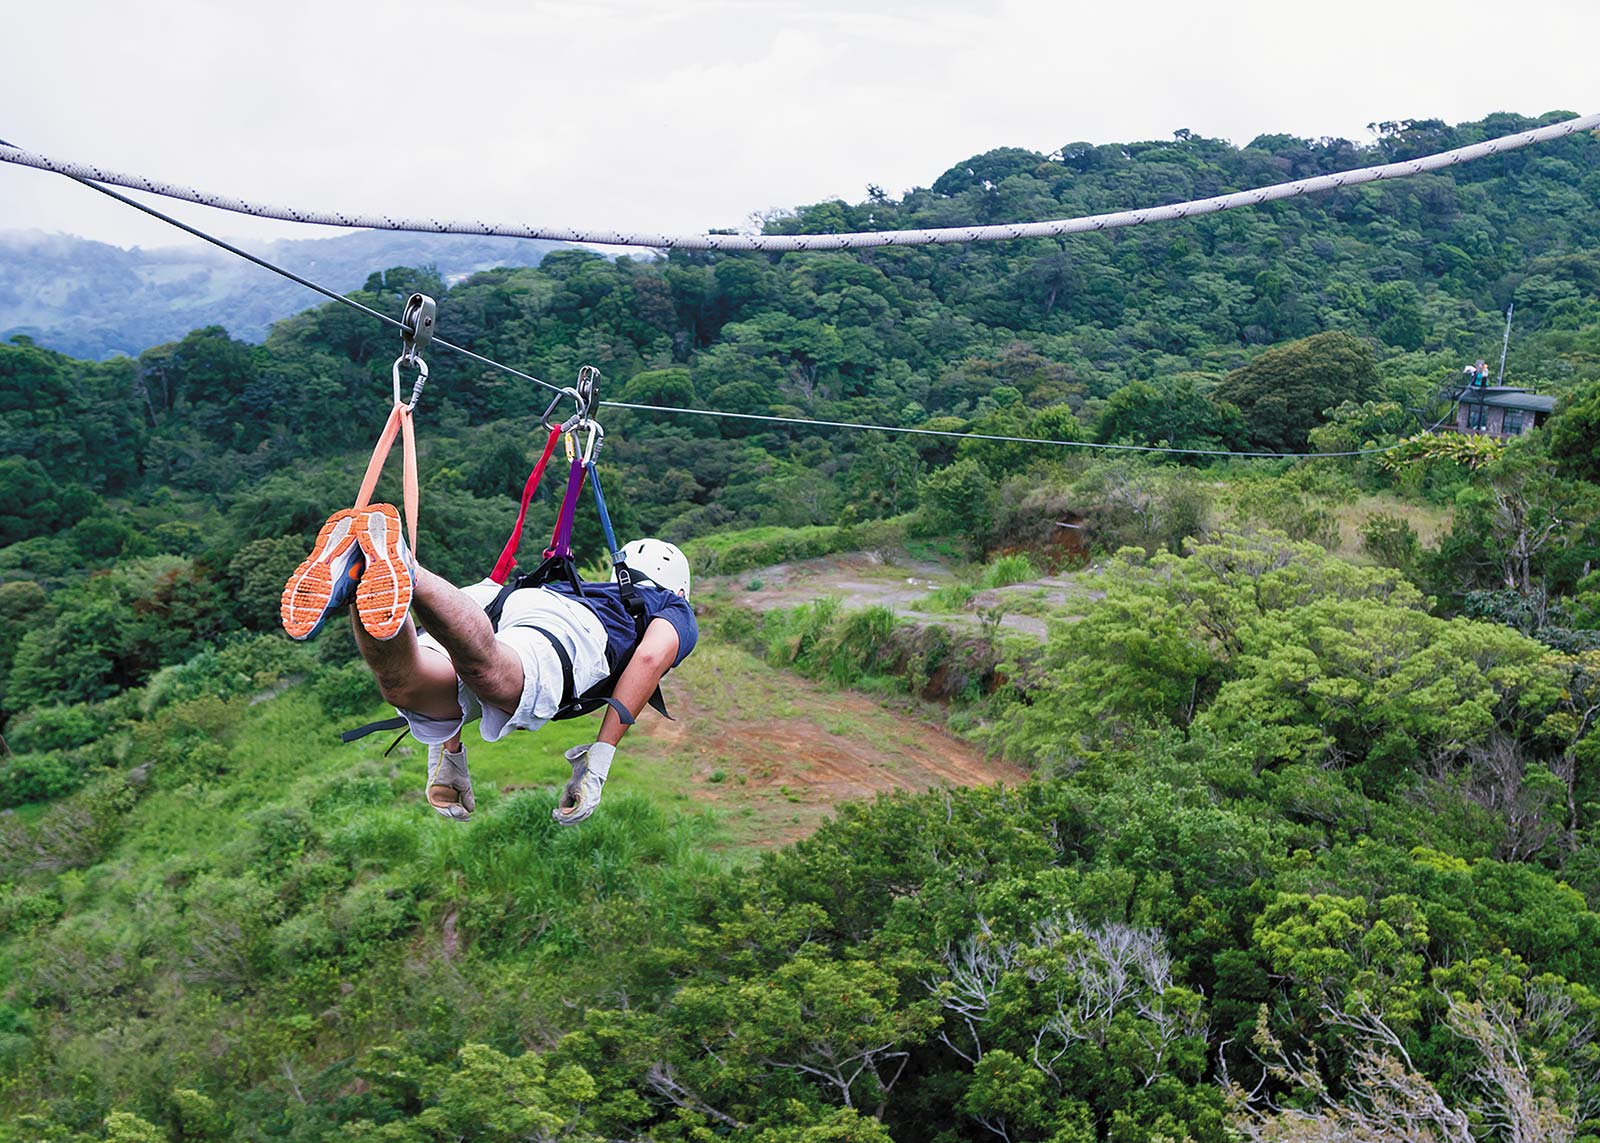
[
  {"x": 266, "y": 918},
  {"x": 1429, "y": 521}
]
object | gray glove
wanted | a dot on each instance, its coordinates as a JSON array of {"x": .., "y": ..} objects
[
  {"x": 449, "y": 788},
  {"x": 590, "y": 765}
]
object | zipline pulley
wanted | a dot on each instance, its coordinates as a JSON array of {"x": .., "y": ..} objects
[
  {"x": 416, "y": 332},
  {"x": 588, "y": 375},
  {"x": 416, "y": 321}
]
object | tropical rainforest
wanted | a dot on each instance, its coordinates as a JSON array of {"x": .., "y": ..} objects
[{"x": 1307, "y": 847}]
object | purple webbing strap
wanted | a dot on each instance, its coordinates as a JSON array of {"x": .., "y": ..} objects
[{"x": 561, "y": 538}]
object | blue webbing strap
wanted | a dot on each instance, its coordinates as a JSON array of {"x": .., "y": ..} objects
[
  {"x": 630, "y": 595},
  {"x": 605, "y": 517}
]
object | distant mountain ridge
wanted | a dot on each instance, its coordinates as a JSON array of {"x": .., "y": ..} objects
[{"x": 90, "y": 299}]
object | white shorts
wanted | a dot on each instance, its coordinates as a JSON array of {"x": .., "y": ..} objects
[{"x": 581, "y": 634}]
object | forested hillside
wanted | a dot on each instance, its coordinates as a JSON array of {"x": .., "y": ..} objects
[
  {"x": 89, "y": 299},
  {"x": 1308, "y": 847}
]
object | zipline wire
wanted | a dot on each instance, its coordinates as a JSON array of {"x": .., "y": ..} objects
[
  {"x": 222, "y": 244},
  {"x": 777, "y": 242},
  {"x": 1018, "y": 440},
  {"x": 808, "y": 421}
]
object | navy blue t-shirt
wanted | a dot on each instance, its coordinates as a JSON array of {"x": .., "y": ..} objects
[{"x": 605, "y": 600}]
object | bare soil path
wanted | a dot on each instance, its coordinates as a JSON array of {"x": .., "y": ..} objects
[
  {"x": 867, "y": 579},
  {"x": 775, "y": 753}
]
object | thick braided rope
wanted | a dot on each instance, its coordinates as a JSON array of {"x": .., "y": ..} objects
[{"x": 780, "y": 242}]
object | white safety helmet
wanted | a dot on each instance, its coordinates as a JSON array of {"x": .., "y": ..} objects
[{"x": 657, "y": 562}]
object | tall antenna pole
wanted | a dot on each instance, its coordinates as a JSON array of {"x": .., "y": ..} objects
[{"x": 1506, "y": 344}]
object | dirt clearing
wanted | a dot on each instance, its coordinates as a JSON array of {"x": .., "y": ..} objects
[
  {"x": 773, "y": 753},
  {"x": 866, "y": 579}
]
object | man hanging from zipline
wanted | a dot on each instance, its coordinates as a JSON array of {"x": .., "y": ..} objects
[{"x": 515, "y": 651}]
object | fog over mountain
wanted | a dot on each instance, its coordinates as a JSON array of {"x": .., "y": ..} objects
[{"x": 91, "y": 299}]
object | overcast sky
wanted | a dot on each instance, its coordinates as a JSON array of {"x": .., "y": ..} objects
[{"x": 682, "y": 115}]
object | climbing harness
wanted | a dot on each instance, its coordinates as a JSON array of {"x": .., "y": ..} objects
[{"x": 559, "y": 564}]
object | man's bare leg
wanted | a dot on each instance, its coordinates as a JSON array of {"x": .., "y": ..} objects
[
  {"x": 416, "y": 678},
  {"x": 491, "y": 670},
  {"x": 407, "y": 676}
]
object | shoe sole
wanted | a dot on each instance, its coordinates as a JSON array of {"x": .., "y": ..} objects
[
  {"x": 383, "y": 597},
  {"x": 310, "y": 590}
]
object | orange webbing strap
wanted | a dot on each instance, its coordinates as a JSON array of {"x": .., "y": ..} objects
[
  {"x": 400, "y": 423},
  {"x": 508, "y": 554}
]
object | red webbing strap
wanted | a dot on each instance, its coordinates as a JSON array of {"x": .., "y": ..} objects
[
  {"x": 399, "y": 423},
  {"x": 508, "y": 554}
]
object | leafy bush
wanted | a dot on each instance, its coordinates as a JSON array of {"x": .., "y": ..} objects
[
  {"x": 860, "y": 644},
  {"x": 1007, "y": 570},
  {"x": 1281, "y": 504},
  {"x": 1137, "y": 504},
  {"x": 950, "y": 597},
  {"x": 792, "y": 635},
  {"x": 38, "y": 777},
  {"x": 240, "y": 668},
  {"x": 958, "y": 501},
  {"x": 21, "y": 911},
  {"x": 740, "y": 551},
  {"x": 347, "y": 691},
  {"x": 1391, "y": 540},
  {"x": 62, "y": 727}
]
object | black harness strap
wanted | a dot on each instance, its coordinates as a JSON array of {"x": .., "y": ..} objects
[
  {"x": 394, "y": 723},
  {"x": 372, "y": 729},
  {"x": 569, "y": 683}
]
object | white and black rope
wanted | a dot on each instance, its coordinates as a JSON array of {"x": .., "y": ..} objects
[
  {"x": 782, "y": 242},
  {"x": 720, "y": 413}
]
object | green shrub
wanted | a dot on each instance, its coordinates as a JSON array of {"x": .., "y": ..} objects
[
  {"x": 1127, "y": 503},
  {"x": 243, "y": 667},
  {"x": 22, "y": 911},
  {"x": 950, "y": 597},
  {"x": 733, "y": 552},
  {"x": 791, "y": 636},
  {"x": 39, "y": 777},
  {"x": 1280, "y": 503},
  {"x": 360, "y": 791},
  {"x": 347, "y": 691},
  {"x": 61, "y": 727},
  {"x": 1391, "y": 541},
  {"x": 857, "y": 646},
  {"x": 1007, "y": 570},
  {"x": 959, "y": 500}
]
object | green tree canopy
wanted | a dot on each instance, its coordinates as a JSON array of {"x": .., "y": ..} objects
[{"x": 1285, "y": 393}]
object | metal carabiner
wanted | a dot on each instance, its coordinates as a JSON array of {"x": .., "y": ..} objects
[
  {"x": 416, "y": 389},
  {"x": 556, "y": 400},
  {"x": 597, "y": 438},
  {"x": 416, "y": 327}
]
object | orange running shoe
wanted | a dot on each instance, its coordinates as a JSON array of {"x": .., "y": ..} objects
[
  {"x": 383, "y": 597},
  {"x": 326, "y": 579}
]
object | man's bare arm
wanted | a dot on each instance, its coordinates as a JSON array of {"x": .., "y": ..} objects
[{"x": 654, "y": 658}]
